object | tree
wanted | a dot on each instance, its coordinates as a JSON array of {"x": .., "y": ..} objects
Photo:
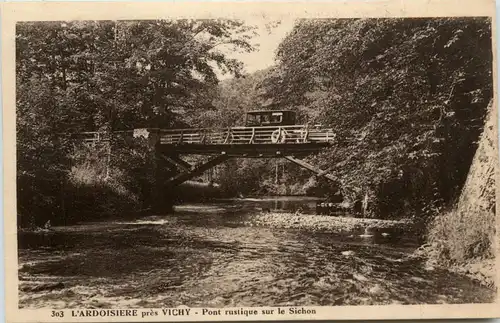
[
  {"x": 234, "y": 97},
  {"x": 407, "y": 98},
  {"x": 106, "y": 76}
]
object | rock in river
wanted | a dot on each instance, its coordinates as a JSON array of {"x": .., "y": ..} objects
[{"x": 348, "y": 253}]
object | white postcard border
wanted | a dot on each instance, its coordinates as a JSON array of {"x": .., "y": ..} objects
[{"x": 48, "y": 11}]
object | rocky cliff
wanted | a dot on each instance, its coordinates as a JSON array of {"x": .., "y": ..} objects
[
  {"x": 478, "y": 195},
  {"x": 464, "y": 239}
]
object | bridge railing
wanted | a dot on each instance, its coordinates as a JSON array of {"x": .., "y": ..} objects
[
  {"x": 230, "y": 136},
  {"x": 98, "y": 136},
  {"x": 247, "y": 135}
]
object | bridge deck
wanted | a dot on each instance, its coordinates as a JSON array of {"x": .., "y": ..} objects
[{"x": 245, "y": 150}]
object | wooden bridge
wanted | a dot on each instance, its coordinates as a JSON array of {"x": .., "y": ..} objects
[
  {"x": 264, "y": 141},
  {"x": 292, "y": 142}
]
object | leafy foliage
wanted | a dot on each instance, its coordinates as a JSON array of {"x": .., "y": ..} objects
[
  {"x": 108, "y": 76},
  {"x": 407, "y": 97}
]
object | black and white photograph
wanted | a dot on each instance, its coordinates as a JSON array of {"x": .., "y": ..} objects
[{"x": 227, "y": 163}]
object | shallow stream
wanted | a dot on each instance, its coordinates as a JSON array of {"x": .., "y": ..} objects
[{"x": 206, "y": 255}]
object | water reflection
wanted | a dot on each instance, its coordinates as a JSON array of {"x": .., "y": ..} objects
[{"x": 203, "y": 255}]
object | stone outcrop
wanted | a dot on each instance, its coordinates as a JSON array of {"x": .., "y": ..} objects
[
  {"x": 477, "y": 208},
  {"x": 479, "y": 192}
]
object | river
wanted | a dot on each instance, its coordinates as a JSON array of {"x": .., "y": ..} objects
[{"x": 206, "y": 255}]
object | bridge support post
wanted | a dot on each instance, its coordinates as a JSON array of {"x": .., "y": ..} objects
[
  {"x": 162, "y": 201},
  {"x": 158, "y": 200}
]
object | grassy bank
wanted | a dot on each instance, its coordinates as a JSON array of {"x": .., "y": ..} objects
[
  {"x": 464, "y": 243},
  {"x": 459, "y": 237}
]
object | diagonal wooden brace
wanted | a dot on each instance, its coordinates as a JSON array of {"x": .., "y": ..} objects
[
  {"x": 310, "y": 167},
  {"x": 178, "y": 162},
  {"x": 198, "y": 170},
  {"x": 324, "y": 172}
]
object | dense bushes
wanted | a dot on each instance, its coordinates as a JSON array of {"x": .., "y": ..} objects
[
  {"x": 42, "y": 155},
  {"x": 96, "y": 184},
  {"x": 108, "y": 181},
  {"x": 457, "y": 236}
]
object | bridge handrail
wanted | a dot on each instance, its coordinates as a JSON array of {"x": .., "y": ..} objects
[
  {"x": 243, "y": 128},
  {"x": 247, "y": 135},
  {"x": 231, "y": 135}
]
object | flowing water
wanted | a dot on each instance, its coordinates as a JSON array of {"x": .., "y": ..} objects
[{"x": 206, "y": 255}]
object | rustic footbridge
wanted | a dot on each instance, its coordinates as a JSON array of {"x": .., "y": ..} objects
[{"x": 274, "y": 139}]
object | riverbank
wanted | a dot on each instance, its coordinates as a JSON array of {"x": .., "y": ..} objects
[
  {"x": 481, "y": 270},
  {"x": 337, "y": 224}
]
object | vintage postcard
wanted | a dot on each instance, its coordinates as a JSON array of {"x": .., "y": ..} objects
[{"x": 227, "y": 161}]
